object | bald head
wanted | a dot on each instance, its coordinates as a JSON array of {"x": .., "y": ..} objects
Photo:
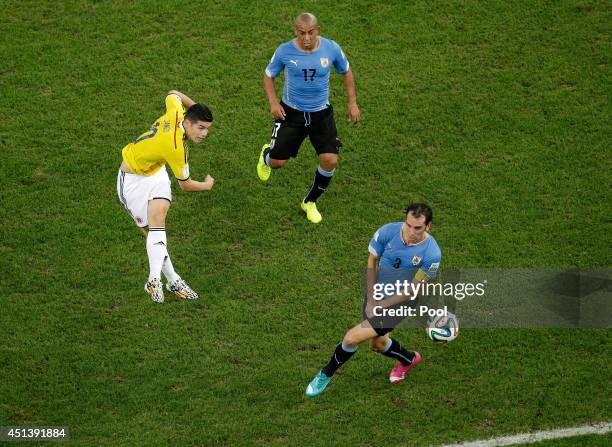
[
  {"x": 305, "y": 18},
  {"x": 307, "y": 31}
]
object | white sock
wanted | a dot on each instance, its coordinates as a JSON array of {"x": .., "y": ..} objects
[
  {"x": 157, "y": 251},
  {"x": 168, "y": 270}
]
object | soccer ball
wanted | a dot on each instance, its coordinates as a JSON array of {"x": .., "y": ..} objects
[{"x": 443, "y": 329}]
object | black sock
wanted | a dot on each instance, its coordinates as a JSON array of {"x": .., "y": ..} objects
[
  {"x": 395, "y": 351},
  {"x": 340, "y": 356},
  {"x": 319, "y": 185}
]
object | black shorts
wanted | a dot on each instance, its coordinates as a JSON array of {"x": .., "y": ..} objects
[
  {"x": 381, "y": 332},
  {"x": 288, "y": 134},
  {"x": 383, "y": 324}
]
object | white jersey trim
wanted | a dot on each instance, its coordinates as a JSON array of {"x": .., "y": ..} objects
[{"x": 373, "y": 251}]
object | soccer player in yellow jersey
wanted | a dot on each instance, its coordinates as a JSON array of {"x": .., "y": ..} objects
[{"x": 143, "y": 184}]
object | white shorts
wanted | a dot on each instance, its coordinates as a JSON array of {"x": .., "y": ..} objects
[{"x": 135, "y": 191}]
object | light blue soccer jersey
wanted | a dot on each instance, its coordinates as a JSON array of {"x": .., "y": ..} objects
[
  {"x": 306, "y": 86},
  {"x": 389, "y": 246}
]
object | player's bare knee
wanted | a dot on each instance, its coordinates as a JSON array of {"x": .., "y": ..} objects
[
  {"x": 328, "y": 161},
  {"x": 378, "y": 344},
  {"x": 351, "y": 340},
  {"x": 157, "y": 211},
  {"x": 157, "y": 221},
  {"x": 372, "y": 344}
]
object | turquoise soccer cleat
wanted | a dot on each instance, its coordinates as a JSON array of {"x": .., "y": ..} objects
[{"x": 318, "y": 384}]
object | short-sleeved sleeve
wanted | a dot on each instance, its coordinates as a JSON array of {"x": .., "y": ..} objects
[
  {"x": 431, "y": 262},
  {"x": 173, "y": 102},
  {"x": 179, "y": 164},
  {"x": 341, "y": 63},
  {"x": 276, "y": 65},
  {"x": 378, "y": 242}
]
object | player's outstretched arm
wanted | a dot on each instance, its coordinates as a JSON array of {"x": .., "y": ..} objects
[
  {"x": 186, "y": 100},
  {"x": 353, "y": 110},
  {"x": 276, "y": 109},
  {"x": 193, "y": 185}
]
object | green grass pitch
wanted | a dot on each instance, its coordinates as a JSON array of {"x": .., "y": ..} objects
[{"x": 496, "y": 113}]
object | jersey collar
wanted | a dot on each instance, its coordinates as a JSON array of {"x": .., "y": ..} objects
[
  {"x": 406, "y": 243},
  {"x": 294, "y": 41}
]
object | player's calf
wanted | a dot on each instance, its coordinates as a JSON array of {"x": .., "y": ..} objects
[
  {"x": 320, "y": 183},
  {"x": 379, "y": 344}
]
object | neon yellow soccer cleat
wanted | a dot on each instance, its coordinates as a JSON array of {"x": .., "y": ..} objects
[
  {"x": 263, "y": 171},
  {"x": 312, "y": 214}
]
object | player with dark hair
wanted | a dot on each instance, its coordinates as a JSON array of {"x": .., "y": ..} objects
[
  {"x": 198, "y": 112},
  {"x": 306, "y": 62},
  {"x": 398, "y": 245},
  {"x": 143, "y": 184}
]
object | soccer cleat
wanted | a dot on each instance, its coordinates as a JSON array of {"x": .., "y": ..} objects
[
  {"x": 155, "y": 289},
  {"x": 318, "y": 384},
  {"x": 263, "y": 170},
  {"x": 182, "y": 290},
  {"x": 399, "y": 372},
  {"x": 312, "y": 213}
]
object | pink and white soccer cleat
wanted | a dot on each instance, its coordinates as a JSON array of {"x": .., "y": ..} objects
[{"x": 399, "y": 372}]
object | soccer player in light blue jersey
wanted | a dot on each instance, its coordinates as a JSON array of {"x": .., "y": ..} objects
[
  {"x": 398, "y": 245},
  {"x": 304, "y": 110}
]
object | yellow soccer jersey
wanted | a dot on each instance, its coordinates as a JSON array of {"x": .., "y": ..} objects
[{"x": 162, "y": 144}]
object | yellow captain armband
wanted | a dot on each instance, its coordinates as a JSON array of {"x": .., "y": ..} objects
[{"x": 420, "y": 275}]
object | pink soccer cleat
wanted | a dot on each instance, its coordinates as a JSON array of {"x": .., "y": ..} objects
[{"x": 399, "y": 372}]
